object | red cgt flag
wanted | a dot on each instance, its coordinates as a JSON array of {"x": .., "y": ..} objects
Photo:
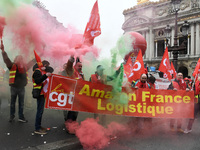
[
  {"x": 197, "y": 69},
  {"x": 92, "y": 29},
  {"x": 38, "y": 59},
  {"x": 173, "y": 71},
  {"x": 137, "y": 69},
  {"x": 165, "y": 65}
]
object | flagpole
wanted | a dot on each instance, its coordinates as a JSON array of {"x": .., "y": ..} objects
[{"x": 195, "y": 80}]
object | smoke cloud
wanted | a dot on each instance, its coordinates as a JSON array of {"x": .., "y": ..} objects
[
  {"x": 93, "y": 135},
  {"x": 32, "y": 28}
]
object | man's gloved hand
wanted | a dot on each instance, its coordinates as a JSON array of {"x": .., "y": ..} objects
[
  {"x": 71, "y": 58},
  {"x": 2, "y": 46}
]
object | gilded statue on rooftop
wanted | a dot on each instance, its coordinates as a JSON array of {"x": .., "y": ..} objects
[{"x": 142, "y": 1}]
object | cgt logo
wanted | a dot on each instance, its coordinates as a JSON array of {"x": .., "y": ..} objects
[
  {"x": 62, "y": 99},
  {"x": 61, "y": 93}
]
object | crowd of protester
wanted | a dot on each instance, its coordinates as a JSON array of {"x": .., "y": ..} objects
[{"x": 18, "y": 79}]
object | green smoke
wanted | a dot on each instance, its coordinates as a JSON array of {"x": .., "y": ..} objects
[
  {"x": 123, "y": 47},
  {"x": 119, "y": 97},
  {"x": 8, "y": 6}
]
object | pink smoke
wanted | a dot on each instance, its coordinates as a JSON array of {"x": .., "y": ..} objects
[
  {"x": 93, "y": 135},
  {"x": 34, "y": 29},
  {"x": 2, "y": 24}
]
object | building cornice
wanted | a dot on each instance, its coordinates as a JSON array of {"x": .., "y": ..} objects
[
  {"x": 191, "y": 15},
  {"x": 143, "y": 5}
]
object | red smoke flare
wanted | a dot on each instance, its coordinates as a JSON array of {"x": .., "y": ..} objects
[{"x": 2, "y": 24}]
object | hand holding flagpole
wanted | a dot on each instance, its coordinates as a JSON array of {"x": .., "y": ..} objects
[{"x": 2, "y": 46}]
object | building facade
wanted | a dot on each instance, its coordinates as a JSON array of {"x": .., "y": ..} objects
[
  {"x": 150, "y": 19},
  {"x": 47, "y": 16}
]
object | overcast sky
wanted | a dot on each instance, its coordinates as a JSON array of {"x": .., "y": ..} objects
[{"x": 77, "y": 12}]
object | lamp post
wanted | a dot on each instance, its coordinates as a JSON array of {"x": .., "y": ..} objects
[{"x": 175, "y": 49}]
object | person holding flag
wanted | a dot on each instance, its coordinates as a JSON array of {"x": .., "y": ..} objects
[
  {"x": 17, "y": 81},
  {"x": 42, "y": 71},
  {"x": 74, "y": 72},
  {"x": 142, "y": 83},
  {"x": 134, "y": 72},
  {"x": 92, "y": 30},
  {"x": 137, "y": 75},
  {"x": 177, "y": 84}
]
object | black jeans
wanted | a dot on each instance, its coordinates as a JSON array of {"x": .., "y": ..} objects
[
  {"x": 70, "y": 115},
  {"x": 40, "y": 110},
  {"x": 14, "y": 93}
]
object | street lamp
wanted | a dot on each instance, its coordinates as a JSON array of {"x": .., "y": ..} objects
[
  {"x": 167, "y": 34},
  {"x": 176, "y": 5},
  {"x": 184, "y": 28},
  {"x": 175, "y": 49}
]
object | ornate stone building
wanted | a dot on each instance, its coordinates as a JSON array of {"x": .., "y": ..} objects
[
  {"x": 150, "y": 19},
  {"x": 47, "y": 16}
]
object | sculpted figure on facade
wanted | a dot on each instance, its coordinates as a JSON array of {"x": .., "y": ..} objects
[{"x": 195, "y": 3}]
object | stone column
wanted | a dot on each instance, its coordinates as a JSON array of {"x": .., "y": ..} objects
[
  {"x": 172, "y": 38},
  {"x": 197, "y": 39},
  {"x": 144, "y": 35},
  {"x": 192, "y": 39},
  {"x": 156, "y": 50},
  {"x": 151, "y": 39},
  {"x": 188, "y": 44},
  {"x": 148, "y": 46}
]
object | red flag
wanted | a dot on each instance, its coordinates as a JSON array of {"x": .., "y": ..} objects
[
  {"x": 2, "y": 24},
  {"x": 165, "y": 65},
  {"x": 197, "y": 69},
  {"x": 173, "y": 71},
  {"x": 137, "y": 69},
  {"x": 38, "y": 59},
  {"x": 92, "y": 29},
  {"x": 40, "y": 65},
  {"x": 128, "y": 67}
]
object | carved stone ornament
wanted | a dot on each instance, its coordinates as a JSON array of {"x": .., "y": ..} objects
[
  {"x": 135, "y": 21},
  {"x": 195, "y": 3},
  {"x": 161, "y": 12},
  {"x": 193, "y": 65},
  {"x": 184, "y": 5}
]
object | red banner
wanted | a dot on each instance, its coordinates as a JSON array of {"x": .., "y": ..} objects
[{"x": 78, "y": 95}]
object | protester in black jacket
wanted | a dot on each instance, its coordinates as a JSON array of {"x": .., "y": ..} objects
[{"x": 39, "y": 76}]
